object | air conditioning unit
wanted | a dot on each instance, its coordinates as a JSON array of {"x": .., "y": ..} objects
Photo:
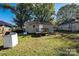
[{"x": 10, "y": 40}]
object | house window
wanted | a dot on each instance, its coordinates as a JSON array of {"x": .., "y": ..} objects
[{"x": 33, "y": 26}]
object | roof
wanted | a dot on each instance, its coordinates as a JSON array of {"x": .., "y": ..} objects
[
  {"x": 5, "y": 23},
  {"x": 70, "y": 21}
]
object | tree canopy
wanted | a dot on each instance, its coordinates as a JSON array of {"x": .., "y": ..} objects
[
  {"x": 67, "y": 12},
  {"x": 23, "y": 13},
  {"x": 43, "y": 12}
]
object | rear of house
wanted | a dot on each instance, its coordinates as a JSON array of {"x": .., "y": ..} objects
[
  {"x": 38, "y": 27},
  {"x": 72, "y": 25}
]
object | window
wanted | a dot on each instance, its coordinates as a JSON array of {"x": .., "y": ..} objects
[{"x": 33, "y": 26}]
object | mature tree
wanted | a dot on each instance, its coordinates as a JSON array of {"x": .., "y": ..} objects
[
  {"x": 25, "y": 12},
  {"x": 67, "y": 12},
  {"x": 43, "y": 12}
]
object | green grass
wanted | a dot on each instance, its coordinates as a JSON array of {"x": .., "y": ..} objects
[{"x": 42, "y": 46}]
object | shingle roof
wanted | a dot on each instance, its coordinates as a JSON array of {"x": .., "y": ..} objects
[
  {"x": 5, "y": 23},
  {"x": 69, "y": 21}
]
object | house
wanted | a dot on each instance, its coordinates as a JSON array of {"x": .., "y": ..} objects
[
  {"x": 38, "y": 27},
  {"x": 5, "y": 27},
  {"x": 71, "y": 25}
]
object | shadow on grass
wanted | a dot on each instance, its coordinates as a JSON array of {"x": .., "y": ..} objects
[
  {"x": 32, "y": 35},
  {"x": 73, "y": 36},
  {"x": 36, "y": 35},
  {"x": 2, "y": 48},
  {"x": 68, "y": 51}
]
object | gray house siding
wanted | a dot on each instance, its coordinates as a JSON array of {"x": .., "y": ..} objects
[
  {"x": 74, "y": 26},
  {"x": 34, "y": 27}
]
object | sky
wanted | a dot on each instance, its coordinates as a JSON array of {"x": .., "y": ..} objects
[
  {"x": 7, "y": 15},
  {"x": 58, "y": 6}
]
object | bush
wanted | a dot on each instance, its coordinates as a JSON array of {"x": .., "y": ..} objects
[{"x": 18, "y": 31}]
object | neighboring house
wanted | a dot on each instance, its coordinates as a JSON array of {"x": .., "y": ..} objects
[
  {"x": 71, "y": 25},
  {"x": 38, "y": 27},
  {"x": 5, "y": 27}
]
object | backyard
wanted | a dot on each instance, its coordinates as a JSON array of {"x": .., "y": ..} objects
[{"x": 49, "y": 45}]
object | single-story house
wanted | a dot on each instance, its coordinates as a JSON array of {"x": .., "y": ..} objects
[
  {"x": 5, "y": 27},
  {"x": 71, "y": 25},
  {"x": 38, "y": 27}
]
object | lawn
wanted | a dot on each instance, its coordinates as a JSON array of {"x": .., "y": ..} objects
[{"x": 50, "y": 45}]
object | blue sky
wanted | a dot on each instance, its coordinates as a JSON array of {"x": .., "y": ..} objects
[
  {"x": 58, "y": 6},
  {"x": 7, "y": 15}
]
